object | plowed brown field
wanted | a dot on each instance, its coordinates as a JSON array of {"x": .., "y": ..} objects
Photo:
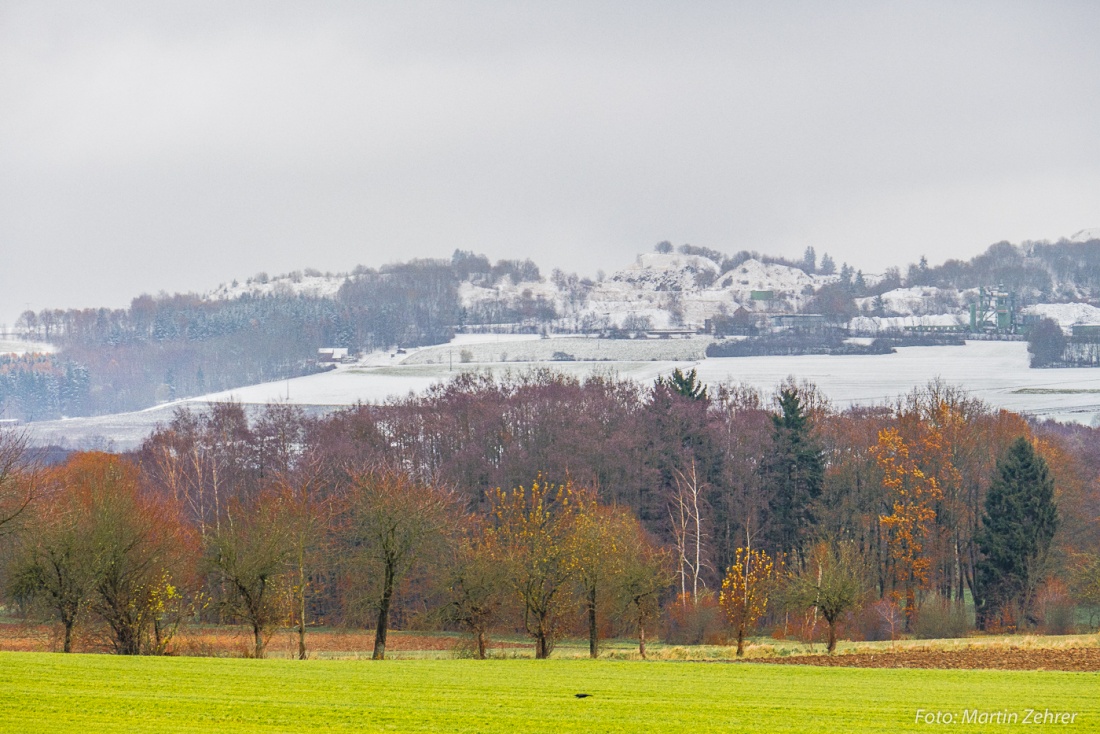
[{"x": 1078, "y": 659}]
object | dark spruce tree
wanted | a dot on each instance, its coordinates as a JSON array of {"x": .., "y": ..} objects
[
  {"x": 1018, "y": 524},
  {"x": 685, "y": 385},
  {"x": 794, "y": 475}
]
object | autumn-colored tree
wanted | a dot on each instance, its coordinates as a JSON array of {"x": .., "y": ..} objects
[
  {"x": 1085, "y": 581},
  {"x": 645, "y": 574},
  {"x": 746, "y": 590},
  {"x": 605, "y": 538},
  {"x": 532, "y": 534},
  {"x": 138, "y": 549},
  {"x": 912, "y": 494},
  {"x": 52, "y": 563},
  {"x": 249, "y": 552},
  {"x": 473, "y": 587},
  {"x": 938, "y": 424},
  {"x": 391, "y": 522},
  {"x": 831, "y": 579}
]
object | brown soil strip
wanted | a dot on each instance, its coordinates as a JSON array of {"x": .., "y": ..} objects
[{"x": 1086, "y": 659}]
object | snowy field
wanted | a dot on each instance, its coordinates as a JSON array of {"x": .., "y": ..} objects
[
  {"x": 582, "y": 349},
  {"x": 995, "y": 372},
  {"x": 18, "y": 346}
]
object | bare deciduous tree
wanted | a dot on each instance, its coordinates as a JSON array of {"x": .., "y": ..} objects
[{"x": 392, "y": 522}]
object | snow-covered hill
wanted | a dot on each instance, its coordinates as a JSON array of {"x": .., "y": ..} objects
[
  {"x": 656, "y": 291},
  {"x": 672, "y": 290},
  {"x": 914, "y": 301},
  {"x": 1066, "y": 314},
  {"x": 310, "y": 283}
]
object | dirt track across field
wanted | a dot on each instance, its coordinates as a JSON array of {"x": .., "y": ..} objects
[{"x": 1085, "y": 659}]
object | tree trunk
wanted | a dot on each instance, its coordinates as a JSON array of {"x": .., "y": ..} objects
[
  {"x": 740, "y": 641},
  {"x": 641, "y": 641},
  {"x": 832, "y": 637},
  {"x": 593, "y": 628},
  {"x": 383, "y": 616},
  {"x": 302, "y": 638},
  {"x": 910, "y": 605},
  {"x": 301, "y": 607},
  {"x": 68, "y": 645},
  {"x": 481, "y": 644},
  {"x": 258, "y": 634}
]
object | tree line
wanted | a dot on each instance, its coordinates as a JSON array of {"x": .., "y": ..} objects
[{"x": 537, "y": 502}]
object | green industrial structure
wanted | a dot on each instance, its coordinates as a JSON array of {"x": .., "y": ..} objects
[{"x": 994, "y": 312}]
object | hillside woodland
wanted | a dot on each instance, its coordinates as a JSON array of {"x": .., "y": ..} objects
[{"x": 170, "y": 346}]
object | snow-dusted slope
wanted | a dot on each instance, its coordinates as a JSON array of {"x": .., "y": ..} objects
[
  {"x": 661, "y": 290},
  {"x": 18, "y": 346},
  {"x": 914, "y": 301},
  {"x": 319, "y": 286},
  {"x": 1066, "y": 314},
  {"x": 673, "y": 290}
]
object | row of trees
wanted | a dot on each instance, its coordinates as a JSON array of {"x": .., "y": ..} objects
[
  {"x": 97, "y": 541},
  {"x": 289, "y": 519},
  {"x": 705, "y": 472}
]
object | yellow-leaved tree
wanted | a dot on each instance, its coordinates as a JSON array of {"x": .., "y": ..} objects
[
  {"x": 532, "y": 535},
  {"x": 749, "y": 583}
]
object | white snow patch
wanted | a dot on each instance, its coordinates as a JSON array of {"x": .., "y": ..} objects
[
  {"x": 1066, "y": 314},
  {"x": 317, "y": 286},
  {"x": 19, "y": 346},
  {"x": 913, "y": 301}
]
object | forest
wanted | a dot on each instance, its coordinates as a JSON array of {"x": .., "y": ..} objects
[{"x": 551, "y": 506}]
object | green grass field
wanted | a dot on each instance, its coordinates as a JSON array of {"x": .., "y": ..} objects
[{"x": 44, "y": 692}]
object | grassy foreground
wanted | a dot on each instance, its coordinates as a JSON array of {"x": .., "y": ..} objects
[{"x": 42, "y": 692}]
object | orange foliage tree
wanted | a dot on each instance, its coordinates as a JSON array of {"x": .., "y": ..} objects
[
  {"x": 105, "y": 544},
  {"x": 913, "y": 494}
]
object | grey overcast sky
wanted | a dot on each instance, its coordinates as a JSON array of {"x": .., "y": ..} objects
[{"x": 148, "y": 146}]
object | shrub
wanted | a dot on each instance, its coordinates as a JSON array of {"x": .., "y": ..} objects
[
  {"x": 695, "y": 623},
  {"x": 939, "y": 618},
  {"x": 1055, "y": 608}
]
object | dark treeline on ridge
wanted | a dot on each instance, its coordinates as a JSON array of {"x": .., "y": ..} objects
[{"x": 435, "y": 510}]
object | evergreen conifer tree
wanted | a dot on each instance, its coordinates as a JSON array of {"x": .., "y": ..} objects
[
  {"x": 1018, "y": 524},
  {"x": 795, "y": 472}
]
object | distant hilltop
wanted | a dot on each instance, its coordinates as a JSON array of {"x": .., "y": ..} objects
[{"x": 265, "y": 328}]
